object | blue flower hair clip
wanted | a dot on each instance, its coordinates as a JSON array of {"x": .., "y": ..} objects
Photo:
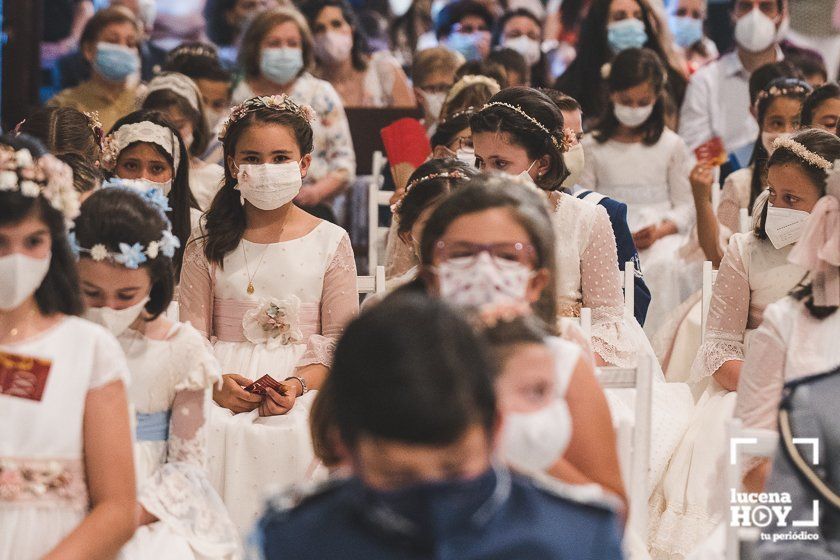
[
  {"x": 169, "y": 244},
  {"x": 150, "y": 193},
  {"x": 131, "y": 256}
]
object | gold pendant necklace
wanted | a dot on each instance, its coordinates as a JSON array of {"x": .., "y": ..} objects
[{"x": 250, "y": 288}]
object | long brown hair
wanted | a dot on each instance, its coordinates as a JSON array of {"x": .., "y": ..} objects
[{"x": 224, "y": 222}]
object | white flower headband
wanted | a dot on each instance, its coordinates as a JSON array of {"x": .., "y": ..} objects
[
  {"x": 129, "y": 256},
  {"x": 562, "y": 144},
  {"x": 454, "y": 174},
  {"x": 144, "y": 131},
  {"x": 280, "y": 102},
  {"x": 802, "y": 153},
  {"x": 48, "y": 176},
  {"x": 177, "y": 83}
]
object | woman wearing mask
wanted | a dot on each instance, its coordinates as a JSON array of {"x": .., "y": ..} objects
[
  {"x": 611, "y": 27},
  {"x": 686, "y": 18},
  {"x": 109, "y": 44},
  {"x": 276, "y": 57},
  {"x": 67, "y": 486},
  {"x": 464, "y": 27},
  {"x": 177, "y": 97},
  {"x": 361, "y": 79},
  {"x": 273, "y": 287},
  {"x": 521, "y": 31}
]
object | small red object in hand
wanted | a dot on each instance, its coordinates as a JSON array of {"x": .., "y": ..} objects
[
  {"x": 259, "y": 386},
  {"x": 711, "y": 153}
]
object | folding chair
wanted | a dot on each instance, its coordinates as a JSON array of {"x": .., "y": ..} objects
[
  {"x": 372, "y": 284},
  {"x": 753, "y": 442},
  {"x": 376, "y": 198},
  {"x": 709, "y": 278},
  {"x": 634, "y": 443}
]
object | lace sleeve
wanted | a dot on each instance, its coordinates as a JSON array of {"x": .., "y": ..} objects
[
  {"x": 762, "y": 375},
  {"x": 679, "y": 189},
  {"x": 399, "y": 257},
  {"x": 728, "y": 313},
  {"x": 195, "y": 290},
  {"x": 601, "y": 290},
  {"x": 729, "y": 208},
  {"x": 339, "y": 304},
  {"x": 187, "y": 434}
]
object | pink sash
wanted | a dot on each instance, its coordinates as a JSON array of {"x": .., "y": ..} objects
[{"x": 228, "y": 314}]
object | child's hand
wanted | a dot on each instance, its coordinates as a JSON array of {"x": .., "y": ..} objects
[
  {"x": 701, "y": 178},
  {"x": 233, "y": 397},
  {"x": 645, "y": 237},
  {"x": 276, "y": 404}
]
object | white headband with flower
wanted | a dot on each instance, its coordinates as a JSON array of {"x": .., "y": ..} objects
[
  {"x": 46, "y": 176},
  {"x": 144, "y": 131}
]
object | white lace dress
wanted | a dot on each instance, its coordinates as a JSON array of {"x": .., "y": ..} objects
[
  {"x": 313, "y": 278},
  {"x": 43, "y": 493},
  {"x": 691, "y": 499},
  {"x": 170, "y": 396},
  {"x": 588, "y": 276},
  {"x": 653, "y": 182}
]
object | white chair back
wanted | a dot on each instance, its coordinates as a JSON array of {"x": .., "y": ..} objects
[
  {"x": 372, "y": 284},
  {"x": 745, "y": 221},
  {"x": 629, "y": 290},
  {"x": 709, "y": 277},
  {"x": 376, "y": 198},
  {"x": 743, "y": 442},
  {"x": 634, "y": 443}
]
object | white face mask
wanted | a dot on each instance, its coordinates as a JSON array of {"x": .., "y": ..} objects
[
  {"x": 116, "y": 321},
  {"x": 269, "y": 186},
  {"x": 20, "y": 276},
  {"x": 333, "y": 47},
  {"x": 434, "y": 104},
  {"x": 479, "y": 281},
  {"x": 632, "y": 117},
  {"x": 575, "y": 163},
  {"x": 526, "y": 175},
  {"x": 755, "y": 31},
  {"x": 527, "y": 47},
  {"x": 466, "y": 155},
  {"x": 144, "y": 185},
  {"x": 784, "y": 225},
  {"x": 535, "y": 441},
  {"x": 767, "y": 139}
]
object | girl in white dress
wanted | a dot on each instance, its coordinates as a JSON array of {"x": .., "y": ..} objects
[
  {"x": 520, "y": 131},
  {"x": 799, "y": 334},
  {"x": 778, "y": 107},
  {"x": 633, "y": 157},
  {"x": 125, "y": 247},
  {"x": 178, "y": 97},
  {"x": 144, "y": 147},
  {"x": 66, "y": 473},
  {"x": 272, "y": 287}
]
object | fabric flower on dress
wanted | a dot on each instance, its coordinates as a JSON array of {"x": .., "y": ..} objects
[
  {"x": 131, "y": 256},
  {"x": 274, "y": 323}
]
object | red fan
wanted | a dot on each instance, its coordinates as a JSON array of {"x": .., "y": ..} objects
[{"x": 406, "y": 147}]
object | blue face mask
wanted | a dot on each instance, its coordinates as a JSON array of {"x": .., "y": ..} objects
[
  {"x": 431, "y": 511},
  {"x": 687, "y": 31},
  {"x": 626, "y": 34},
  {"x": 464, "y": 43},
  {"x": 281, "y": 65},
  {"x": 115, "y": 62}
]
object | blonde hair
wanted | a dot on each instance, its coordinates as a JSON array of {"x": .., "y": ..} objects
[{"x": 250, "y": 51}]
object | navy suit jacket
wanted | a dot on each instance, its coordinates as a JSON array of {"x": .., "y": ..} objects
[
  {"x": 617, "y": 212},
  {"x": 523, "y": 522}
]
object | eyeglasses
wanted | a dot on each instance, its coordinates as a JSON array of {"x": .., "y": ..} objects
[{"x": 503, "y": 254}]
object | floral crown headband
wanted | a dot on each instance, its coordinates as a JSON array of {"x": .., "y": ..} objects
[
  {"x": 803, "y": 153},
  {"x": 563, "y": 144},
  {"x": 469, "y": 111},
  {"x": 144, "y": 131},
  {"x": 96, "y": 127},
  {"x": 454, "y": 174},
  {"x": 132, "y": 256},
  {"x": 48, "y": 176},
  {"x": 796, "y": 87},
  {"x": 277, "y": 103}
]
